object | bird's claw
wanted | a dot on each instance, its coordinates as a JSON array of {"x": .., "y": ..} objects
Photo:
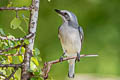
[
  {"x": 78, "y": 57},
  {"x": 61, "y": 59}
]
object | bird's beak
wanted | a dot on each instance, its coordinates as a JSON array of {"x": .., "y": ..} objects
[{"x": 59, "y": 12}]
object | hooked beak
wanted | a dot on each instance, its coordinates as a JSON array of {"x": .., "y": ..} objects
[{"x": 59, "y": 12}]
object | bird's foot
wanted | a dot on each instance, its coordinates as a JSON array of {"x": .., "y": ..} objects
[
  {"x": 78, "y": 57},
  {"x": 61, "y": 59}
]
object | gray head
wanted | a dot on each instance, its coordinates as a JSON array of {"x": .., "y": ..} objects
[{"x": 67, "y": 16}]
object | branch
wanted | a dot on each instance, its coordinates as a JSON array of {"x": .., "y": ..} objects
[
  {"x": 6, "y": 50},
  {"x": 10, "y": 65},
  {"x": 15, "y": 47},
  {"x": 12, "y": 74},
  {"x": 1, "y": 74},
  {"x": 16, "y": 39},
  {"x": 32, "y": 29},
  {"x": 47, "y": 65},
  {"x": 15, "y": 8},
  {"x": 10, "y": 54}
]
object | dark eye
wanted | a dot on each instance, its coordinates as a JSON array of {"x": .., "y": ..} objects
[{"x": 65, "y": 13}]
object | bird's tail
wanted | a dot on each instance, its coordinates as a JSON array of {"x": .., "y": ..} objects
[{"x": 71, "y": 68}]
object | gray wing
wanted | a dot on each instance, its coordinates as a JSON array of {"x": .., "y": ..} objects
[{"x": 81, "y": 33}]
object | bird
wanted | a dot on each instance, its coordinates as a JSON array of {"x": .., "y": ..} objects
[{"x": 71, "y": 37}]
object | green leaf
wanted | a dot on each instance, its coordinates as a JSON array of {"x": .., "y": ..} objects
[
  {"x": 10, "y": 4},
  {"x": 49, "y": 0},
  {"x": 33, "y": 78},
  {"x": 1, "y": 31},
  {"x": 10, "y": 43},
  {"x": 15, "y": 23},
  {"x": 20, "y": 58},
  {"x": 35, "y": 61},
  {"x": 40, "y": 59},
  {"x": 36, "y": 78},
  {"x": 37, "y": 51},
  {"x": 32, "y": 66},
  {"x": 38, "y": 72},
  {"x": 10, "y": 59},
  {"x": 29, "y": 70},
  {"x": 26, "y": 20},
  {"x": 22, "y": 30},
  {"x": 10, "y": 37},
  {"x": 5, "y": 47},
  {"x": 22, "y": 50},
  {"x": 26, "y": 41},
  {"x": 11, "y": 51}
]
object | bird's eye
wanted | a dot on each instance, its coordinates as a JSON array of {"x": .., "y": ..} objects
[{"x": 65, "y": 13}]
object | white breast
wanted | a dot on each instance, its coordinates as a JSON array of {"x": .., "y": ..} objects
[{"x": 70, "y": 39}]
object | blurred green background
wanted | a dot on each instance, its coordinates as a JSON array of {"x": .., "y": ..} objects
[{"x": 100, "y": 20}]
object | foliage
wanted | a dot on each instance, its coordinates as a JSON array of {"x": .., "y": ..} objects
[
  {"x": 99, "y": 19},
  {"x": 7, "y": 44},
  {"x": 35, "y": 60},
  {"x": 15, "y": 24}
]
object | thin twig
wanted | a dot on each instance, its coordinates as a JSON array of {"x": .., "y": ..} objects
[
  {"x": 17, "y": 39},
  {"x": 15, "y": 8},
  {"x": 47, "y": 65},
  {"x": 6, "y": 50},
  {"x": 20, "y": 48},
  {"x": 3, "y": 54},
  {"x": 1, "y": 74},
  {"x": 68, "y": 58},
  {"x": 10, "y": 65},
  {"x": 15, "y": 47},
  {"x": 12, "y": 74}
]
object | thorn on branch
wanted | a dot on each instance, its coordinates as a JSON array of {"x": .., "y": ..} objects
[{"x": 47, "y": 65}]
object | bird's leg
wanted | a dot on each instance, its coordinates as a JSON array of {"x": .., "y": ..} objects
[
  {"x": 61, "y": 58},
  {"x": 78, "y": 57}
]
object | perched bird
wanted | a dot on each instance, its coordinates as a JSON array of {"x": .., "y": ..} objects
[{"x": 71, "y": 38}]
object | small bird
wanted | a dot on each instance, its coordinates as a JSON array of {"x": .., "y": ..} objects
[{"x": 71, "y": 37}]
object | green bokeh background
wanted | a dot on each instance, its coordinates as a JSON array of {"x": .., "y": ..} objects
[{"x": 100, "y": 20}]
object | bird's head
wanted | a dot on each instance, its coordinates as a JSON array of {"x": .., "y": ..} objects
[{"x": 67, "y": 16}]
